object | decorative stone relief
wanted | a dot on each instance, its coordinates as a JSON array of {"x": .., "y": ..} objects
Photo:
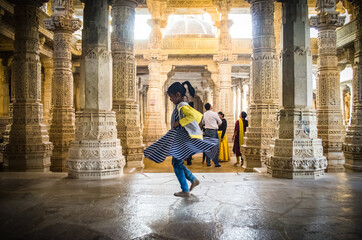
[
  {"x": 296, "y": 152},
  {"x": 329, "y": 114},
  {"x": 4, "y": 99},
  {"x": 26, "y": 144},
  {"x": 96, "y": 152},
  {"x": 63, "y": 25},
  {"x": 352, "y": 145},
  {"x": 264, "y": 87},
  {"x": 124, "y": 82},
  {"x": 155, "y": 125}
]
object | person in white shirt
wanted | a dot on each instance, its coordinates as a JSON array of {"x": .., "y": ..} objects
[{"x": 211, "y": 122}]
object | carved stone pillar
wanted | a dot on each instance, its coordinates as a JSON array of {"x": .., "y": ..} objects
[
  {"x": 4, "y": 99},
  {"x": 296, "y": 152},
  {"x": 235, "y": 102},
  {"x": 63, "y": 25},
  {"x": 216, "y": 91},
  {"x": 26, "y": 144},
  {"x": 96, "y": 152},
  {"x": 225, "y": 96},
  {"x": 155, "y": 126},
  {"x": 77, "y": 89},
  {"x": 238, "y": 103},
  {"x": 124, "y": 81},
  {"x": 329, "y": 114},
  {"x": 47, "y": 101},
  {"x": 264, "y": 87},
  {"x": 352, "y": 146}
]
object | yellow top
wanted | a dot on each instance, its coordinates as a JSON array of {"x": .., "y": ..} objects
[{"x": 190, "y": 121}]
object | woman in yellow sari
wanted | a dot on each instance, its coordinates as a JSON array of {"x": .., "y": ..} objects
[{"x": 224, "y": 152}]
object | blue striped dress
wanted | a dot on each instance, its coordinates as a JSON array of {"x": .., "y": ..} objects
[{"x": 178, "y": 144}]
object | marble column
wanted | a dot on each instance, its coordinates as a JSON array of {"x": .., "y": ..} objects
[
  {"x": 225, "y": 97},
  {"x": 26, "y": 144},
  {"x": 63, "y": 24},
  {"x": 216, "y": 91},
  {"x": 4, "y": 99},
  {"x": 296, "y": 152},
  {"x": 352, "y": 146},
  {"x": 96, "y": 152},
  {"x": 124, "y": 81},
  {"x": 224, "y": 58},
  {"x": 47, "y": 96},
  {"x": 238, "y": 102},
  {"x": 329, "y": 113},
  {"x": 77, "y": 89},
  {"x": 264, "y": 87},
  {"x": 155, "y": 126}
]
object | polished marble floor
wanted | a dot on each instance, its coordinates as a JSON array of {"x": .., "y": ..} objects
[{"x": 142, "y": 206}]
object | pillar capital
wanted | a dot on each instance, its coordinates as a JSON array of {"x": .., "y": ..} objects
[
  {"x": 126, "y": 3},
  {"x": 325, "y": 20},
  {"x": 62, "y": 18}
]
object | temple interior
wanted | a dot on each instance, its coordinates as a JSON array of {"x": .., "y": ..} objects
[{"x": 83, "y": 91}]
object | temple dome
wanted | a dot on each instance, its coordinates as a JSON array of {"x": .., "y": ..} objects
[{"x": 189, "y": 27}]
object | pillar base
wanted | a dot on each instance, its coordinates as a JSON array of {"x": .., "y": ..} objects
[
  {"x": 335, "y": 162},
  {"x": 3, "y": 122},
  {"x": 26, "y": 145},
  {"x": 352, "y": 148},
  {"x": 297, "y": 152},
  {"x": 129, "y": 132},
  {"x": 259, "y": 135},
  {"x": 96, "y": 152}
]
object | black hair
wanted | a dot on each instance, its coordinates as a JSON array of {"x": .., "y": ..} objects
[
  {"x": 243, "y": 114},
  {"x": 177, "y": 87},
  {"x": 207, "y": 106},
  {"x": 220, "y": 113}
]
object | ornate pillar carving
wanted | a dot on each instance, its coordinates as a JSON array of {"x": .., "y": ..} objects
[
  {"x": 63, "y": 25},
  {"x": 264, "y": 87},
  {"x": 47, "y": 96},
  {"x": 329, "y": 114},
  {"x": 224, "y": 95},
  {"x": 96, "y": 152},
  {"x": 124, "y": 81},
  {"x": 296, "y": 152},
  {"x": 155, "y": 126},
  {"x": 26, "y": 144},
  {"x": 352, "y": 146},
  {"x": 4, "y": 99}
]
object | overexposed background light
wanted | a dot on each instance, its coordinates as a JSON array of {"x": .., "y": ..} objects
[
  {"x": 142, "y": 29},
  {"x": 241, "y": 27},
  {"x": 346, "y": 74}
]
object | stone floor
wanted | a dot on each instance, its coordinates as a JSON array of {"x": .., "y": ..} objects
[{"x": 142, "y": 206}]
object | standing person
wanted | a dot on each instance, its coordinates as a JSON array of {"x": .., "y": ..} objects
[
  {"x": 238, "y": 137},
  {"x": 211, "y": 121},
  {"x": 183, "y": 140},
  {"x": 224, "y": 152}
]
